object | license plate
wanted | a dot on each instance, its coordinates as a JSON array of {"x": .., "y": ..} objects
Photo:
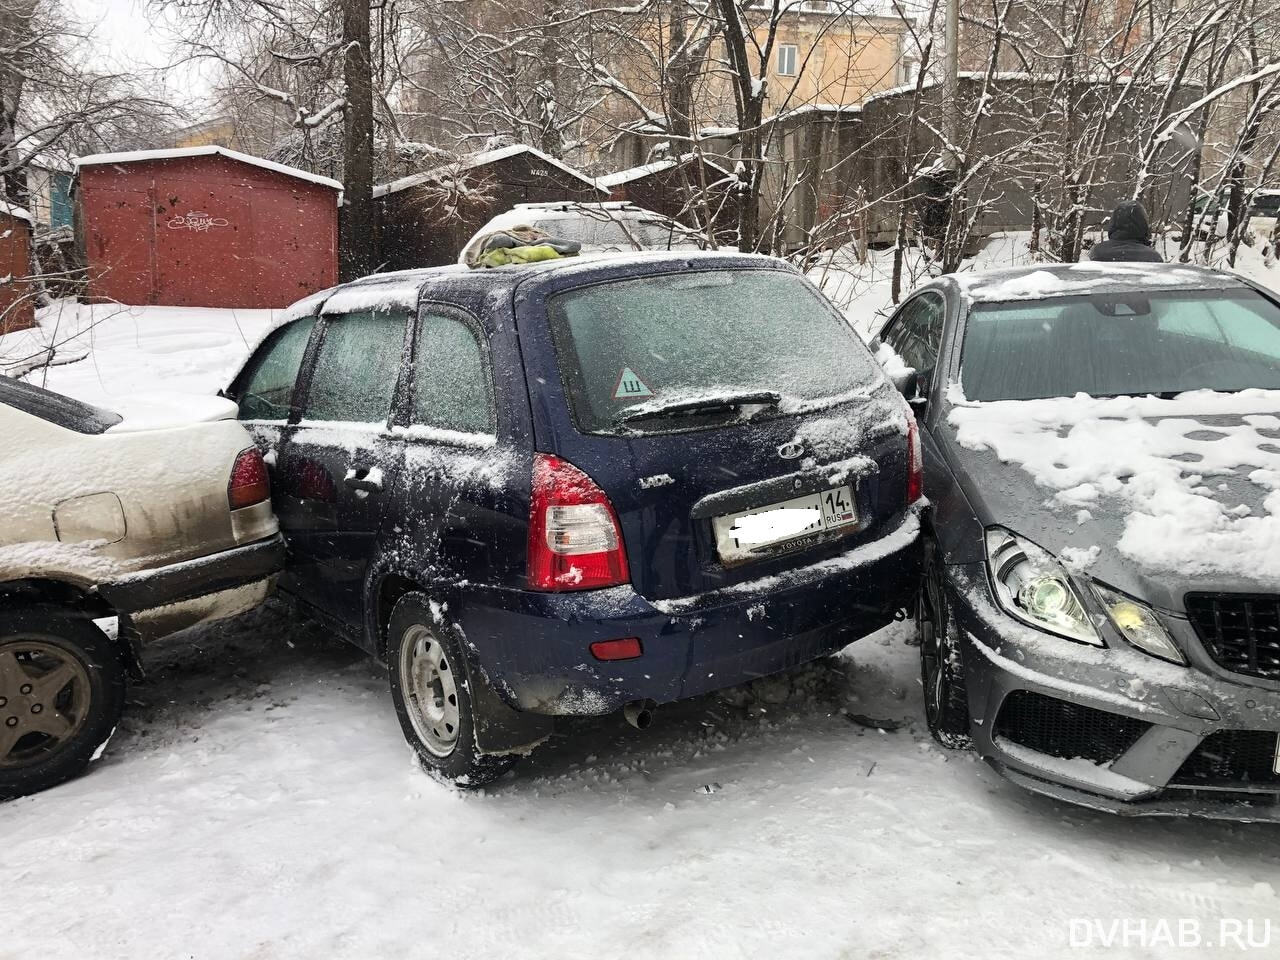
[{"x": 747, "y": 534}]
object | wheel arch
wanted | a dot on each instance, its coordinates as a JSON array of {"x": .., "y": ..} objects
[
  {"x": 499, "y": 727},
  {"x": 48, "y": 591},
  {"x": 67, "y": 596},
  {"x": 383, "y": 597}
]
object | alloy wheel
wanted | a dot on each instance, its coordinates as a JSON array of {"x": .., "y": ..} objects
[
  {"x": 45, "y": 697},
  {"x": 430, "y": 690}
]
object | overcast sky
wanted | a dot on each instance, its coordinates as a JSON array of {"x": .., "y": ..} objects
[{"x": 131, "y": 35}]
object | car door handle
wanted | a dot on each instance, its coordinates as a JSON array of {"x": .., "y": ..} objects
[{"x": 366, "y": 479}]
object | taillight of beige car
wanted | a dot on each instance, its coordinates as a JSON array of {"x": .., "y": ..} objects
[{"x": 162, "y": 527}]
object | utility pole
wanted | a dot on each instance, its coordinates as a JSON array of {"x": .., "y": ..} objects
[
  {"x": 951, "y": 85},
  {"x": 356, "y": 231}
]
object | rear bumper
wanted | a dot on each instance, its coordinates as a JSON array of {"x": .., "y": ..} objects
[
  {"x": 1113, "y": 729},
  {"x": 191, "y": 579},
  {"x": 534, "y": 647}
]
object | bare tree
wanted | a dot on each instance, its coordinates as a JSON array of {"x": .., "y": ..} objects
[{"x": 52, "y": 101}]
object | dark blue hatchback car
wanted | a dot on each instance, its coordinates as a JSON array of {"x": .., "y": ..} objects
[{"x": 583, "y": 486}]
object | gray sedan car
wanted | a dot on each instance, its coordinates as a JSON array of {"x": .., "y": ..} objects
[{"x": 1100, "y": 614}]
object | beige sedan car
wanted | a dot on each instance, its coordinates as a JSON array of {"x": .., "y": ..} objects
[{"x": 158, "y": 526}]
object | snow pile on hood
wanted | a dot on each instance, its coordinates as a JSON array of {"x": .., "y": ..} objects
[{"x": 1159, "y": 460}]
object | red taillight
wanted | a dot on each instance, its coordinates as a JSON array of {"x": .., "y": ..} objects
[
  {"x": 249, "y": 483},
  {"x": 915, "y": 463},
  {"x": 575, "y": 542},
  {"x": 627, "y": 648}
]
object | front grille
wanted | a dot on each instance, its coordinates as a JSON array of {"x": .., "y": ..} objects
[
  {"x": 1231, "y": 758},
  {"x": 1066, "y": 730},
  {"x": 1241, "y": 631}
]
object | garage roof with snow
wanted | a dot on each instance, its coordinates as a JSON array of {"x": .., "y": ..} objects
[
  {"x": 138, "y": 156},
  {"x": 616, "y": 179},
  {"x": 474, "y": 161}
]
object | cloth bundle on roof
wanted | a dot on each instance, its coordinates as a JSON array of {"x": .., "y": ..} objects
[{"x": 521, "y": 244}]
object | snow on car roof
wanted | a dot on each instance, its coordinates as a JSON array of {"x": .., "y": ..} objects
[
  {"x": 478, "y": 160},
  {"x": 137, "y": 156},
  {"x": 530, "y": 214},
  {"x": 401, "y": 292},
  {"x": 402, "y": 287},
  {"x": 1075, "y": 279}
]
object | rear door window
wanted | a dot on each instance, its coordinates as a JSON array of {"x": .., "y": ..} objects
[
  {"x": 685, "y": 342},
  {"x": 265, "y": 391},
  {"x": 452, "y": 383},
  {"x": 357, "y": 367}
]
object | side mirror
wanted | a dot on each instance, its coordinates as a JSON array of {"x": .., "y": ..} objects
[
  {"x": 907, "y": 381},
  {"x": 914, "y": 387}
]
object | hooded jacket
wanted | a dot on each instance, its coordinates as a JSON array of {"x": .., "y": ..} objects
[{"x": 1128, "y": 236}]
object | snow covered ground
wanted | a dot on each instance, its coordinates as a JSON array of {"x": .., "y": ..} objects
[{"x": 259, "y": 802}]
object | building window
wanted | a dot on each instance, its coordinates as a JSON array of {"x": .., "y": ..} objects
[
  {"x": 910, "y": 68},
  {"x": 786, "y": 59}
]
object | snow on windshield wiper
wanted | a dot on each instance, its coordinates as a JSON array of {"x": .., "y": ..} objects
[{"x": 691, "y": 406}]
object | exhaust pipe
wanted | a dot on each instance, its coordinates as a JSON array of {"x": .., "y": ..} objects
[{"x": 639, "y": 713}]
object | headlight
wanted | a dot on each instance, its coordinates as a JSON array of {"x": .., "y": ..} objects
[
  {"x": 1033, "y": 587},
  {"x": 1139, "y": 624}
]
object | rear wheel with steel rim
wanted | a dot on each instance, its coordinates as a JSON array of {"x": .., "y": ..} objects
[
  {"x": 61, "y": 695},
  {"x": 429, "y": 690},
  {"x": 946, "y": 702},
  {"x": 432, "y": 697}
]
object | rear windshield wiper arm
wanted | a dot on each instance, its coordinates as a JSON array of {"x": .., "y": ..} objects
[{"x": 696, "y": 405}]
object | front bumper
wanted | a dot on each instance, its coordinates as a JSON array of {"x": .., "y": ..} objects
[
  {"x": 1150, "y": 738},
  {"x": 534, "y": 648}
]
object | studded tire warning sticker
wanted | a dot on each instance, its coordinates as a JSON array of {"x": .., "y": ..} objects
[{"x": 630, "y": 387}]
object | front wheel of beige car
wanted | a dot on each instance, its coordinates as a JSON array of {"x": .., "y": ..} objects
[
  {"x": 432, "y": 696},
  {"x": 61, "y": 695}
]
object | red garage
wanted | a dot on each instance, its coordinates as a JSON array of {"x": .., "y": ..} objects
[
  {"x": 205, "y": 227},
  {"x": 17, "y": 307}
]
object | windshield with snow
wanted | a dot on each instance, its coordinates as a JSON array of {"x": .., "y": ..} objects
[
  {"x": 1161, "y": 343},
  {"x": 688, "y": 350}
]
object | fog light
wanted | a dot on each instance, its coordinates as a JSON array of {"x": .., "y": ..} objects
[
  {"x": 627, "y": 648},
  {"x": 1139, "y": 624}
]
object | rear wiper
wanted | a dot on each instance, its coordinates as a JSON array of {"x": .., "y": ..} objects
[{"x": 693, "y": 406}]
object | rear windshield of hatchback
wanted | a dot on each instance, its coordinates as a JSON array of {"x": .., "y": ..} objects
[
  {"x": 55, "y": 408},
  {"x": 693, "y": 350}
]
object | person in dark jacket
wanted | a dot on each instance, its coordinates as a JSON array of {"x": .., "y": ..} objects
[{"x": 1128, "y": 236}]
